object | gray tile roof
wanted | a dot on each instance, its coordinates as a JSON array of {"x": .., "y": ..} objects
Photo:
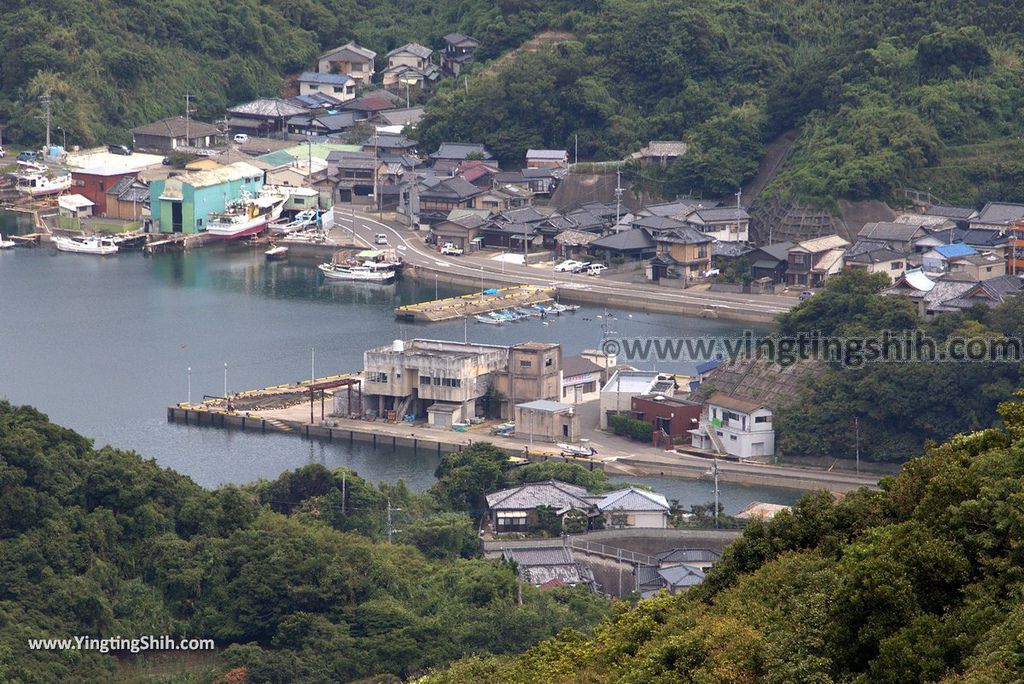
[
  {"x": 324, "y": 79},
  {"x": 779, "y": 250},
  {"x": 1002, "y": 213},
  {"x": 721, "y": 214},
  {"x": 421, "y": 51},
  {"x": 656, "y": 223},
  {"x": 959, "y": 213},
  {"x": 686, "y": 235},
  {"x": 886, "y": 230},
  {"x": 632, "y": 499},
  {"x": 684, "y": 555},
  {"x": 560, "y": 495},
  {"x": 174, "y": 127},
  {"x": 460, "y": 40},
  {"x": 637, "y": 239},
  {"x": 681, "y": 576},
  {"x": 523, "y": 215},
  {"x": 577, "y": 365},
  {"x": 351, "y": 48},
  {"x": 459, "y": 151},
  {"x": 273, "y": 108}
]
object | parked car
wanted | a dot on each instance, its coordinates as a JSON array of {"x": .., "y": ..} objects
[
  {"x": 580, "y": 266},
  {"x": 3, "y": 152},
  {"x": 240, "y": 138},
  {"x": 806, "y": 294},
  {"x": 166, "y": 161},
  {"x": 381, "y": 239},
  {"x": 596, "y": 269},
  {"x": 567, "y": 265},
  {"x": 450, "y": 249},
  {"x": 28, "y": 155},
  {"x": 119, "y": 149}
]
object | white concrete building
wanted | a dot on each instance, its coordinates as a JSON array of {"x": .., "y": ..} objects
[
  {"x": 617, "y": 394},
  {"x": 736, "y": 427},
  {"x": 581, "y": 380}
]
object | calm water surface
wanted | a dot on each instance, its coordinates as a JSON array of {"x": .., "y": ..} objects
[{"x": 103, "y": 345}]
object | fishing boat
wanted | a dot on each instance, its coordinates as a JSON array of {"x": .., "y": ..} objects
[
  {"x": 276, "y": 253},
  {"x": 366, "y": 272},
  {"x": 488, "y": 320},
  {"x": 247, "y": 215},
  {"x": 302, "y": 221},
  {"x": 39, "y": 183},
  {"x": 533, "y": 313},
  {"x": 6, "y": 244},
  {"x": 86, "y": 245}
]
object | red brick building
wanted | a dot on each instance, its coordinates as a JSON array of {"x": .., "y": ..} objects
[{"x": 671, "y": 417}]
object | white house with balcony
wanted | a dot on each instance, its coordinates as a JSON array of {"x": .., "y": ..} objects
[{"x": 736, "y": 427}]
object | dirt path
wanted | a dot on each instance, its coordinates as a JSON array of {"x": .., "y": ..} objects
[
  {"x": 774, "y": 154},
  {"x": 541, "y": 40}
]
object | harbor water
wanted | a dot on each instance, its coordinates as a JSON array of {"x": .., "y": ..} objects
[{"x": 104, "y": 345}]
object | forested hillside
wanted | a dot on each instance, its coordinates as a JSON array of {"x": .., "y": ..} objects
[
  {"x": 918, "y": 583},
  {"x": 885, "y": 93},
  {"x": 293, "y": 579}
]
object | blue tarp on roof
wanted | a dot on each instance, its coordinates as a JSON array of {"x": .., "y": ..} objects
[
  {"x": 708, "y": 366},
  {"x": 955, "y": 250}
]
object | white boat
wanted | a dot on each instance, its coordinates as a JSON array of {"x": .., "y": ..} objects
[
  {"x": 86, "y": 245},
  {"x": 304, "y": 220},
  {"x": 488, "y": 320},
  {"x": 573, "y": 450},
  {"x": 246, "y": 216},
  {"x": 367, "y": 272},
  {"x": 39, "y": 183},
  {"x": 6, "y": 244},
  {"x": 276, "y": 252}
]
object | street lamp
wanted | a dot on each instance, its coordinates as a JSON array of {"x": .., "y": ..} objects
[
  {"x": 225, "y": 379},
  {"x": 189, "y": 374},
  {"x": 64, "y": 133}
]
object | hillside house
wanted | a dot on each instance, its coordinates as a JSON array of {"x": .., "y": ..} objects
[
  {"x": 962, "y": 216},
  {"x": 349, "y": 60},
  {"x": 734, "y": 426},
  {"x": 458, "y": 50},
  {"x": 899, "y": 237},
  {"x": 352, "y": 176},
  {"x": 683, "y": 253},
  {"x": 167, "y": 135},
  {"x": 726, "y": 224},
  {"x": 265, "y": 117},
  {"x": 937, "y": 260},
  {"x": 875, "y": 258},
  {"x": 661, "y": 152},
  {"x": 811, "y": 262},
  {"x": 547, "y": 159},
  {"x": 998, "y": 216}
]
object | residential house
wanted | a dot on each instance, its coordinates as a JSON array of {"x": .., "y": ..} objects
[
  {"x": 381, "y": 143},
  {"x": 542, "y": 181},
  {"x": 350, "y": 60},
  {"x": 370, "y": 105},
  {"x": 683, "y": 253},
  {"x": 982, "y": 266},
  {"x": 811, "y": 262},
  {"x": 460, "y": 231},
  {"x": 341, "y": 87},
  {"x": 437, "y": 197},
  {"x": 75, "y": 206},
  {"x": 405, "y": 117},
  {"x": 731, "y": 255},
  {"x": 734, "y": 426},
  {"x": 770, "y": 261},
  {"x": 581, "y": 380},
  {"x": 128, "y": 199},
  {"x": 981, "y": 240},
  {"x": 679, "y": 578},
  {"x": 548, "y": 566},
  {"x": 671, "y": 417},
  {"x": 547, "y": 159},
  {"x": 265, "y": 117},
  {"x": 460, "y": 152},
  {"x": 458, "y": 50},
  {"x": 167, "y": 135},
  {"x": 632, "y": 507},
  {"x": 661, "y": 152},
  {"x": 411, "y": 55},
  {"x": 410, "y": 65},
  {"x": 515, "y": 509},
  {"x": 899, "y": 237},
  {"x": 182, "y": 204},
  {"x": 962, "y": 216},
  {"x": 952, "y": 292},
  {"x": 618, "y": 392},
  {"x": 697, "y": 558},
  {"x": 875, "y": 258},
  {"x": 573, "y": 244},
  {"x": 998, "y": 216},
  {"x": 628, "y": 245},
  {"x": 727, "y": 224},
  {"x": 405, "y": 78},
  {"x": 547, "y": 421},
  {"x": 937, "y": 260},
  {"x": 352, "y": 176}
]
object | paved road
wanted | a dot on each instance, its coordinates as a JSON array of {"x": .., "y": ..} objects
[{"x": 490, "y": 271}]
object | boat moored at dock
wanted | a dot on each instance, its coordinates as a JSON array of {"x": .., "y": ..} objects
[
  {"x": 86, "y": 245},
  {"x": 276, "y": 253},
  {"x": 246, "y": 216},
  {"x": 369, "y": 271}
]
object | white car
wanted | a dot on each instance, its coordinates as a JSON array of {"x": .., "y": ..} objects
[
  {"x": 449, "y": 249},
  {"x": 381, "y": 239},
  {"x": 596, "y": 269},
  {"x": 569, "y": 265},
  {"x": 240, "y": 138}
]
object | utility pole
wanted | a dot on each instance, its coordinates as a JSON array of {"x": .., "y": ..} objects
[
  {"x": 576, "y": 154},
  {"x": 189, "y": 374},
  {"x": 714, "y": 472},
  {"x": 376, "y": 173},
  {"x": 188, "y": 116},
  {"x": 390, "y": 529},
  {"x": 225, "y": 379},
  {"x": 856, "y": 423},
  {"x": 406, "y": 94},
  {"x": 618, "y": 196},
  {"x": 466, "y": 81},
  {"x": 343, "y": 475},
  {"x": 46, "y": 101}
]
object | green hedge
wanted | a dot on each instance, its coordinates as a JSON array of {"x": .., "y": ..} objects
[{"x": 636, "y": 430}]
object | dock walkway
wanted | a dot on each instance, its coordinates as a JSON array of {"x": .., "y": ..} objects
[{"x": 476, "y": 303}]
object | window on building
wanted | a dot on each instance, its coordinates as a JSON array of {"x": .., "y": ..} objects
[
  {"x": 524, "y": 363},
  {"x": 702, "y": 251},
  {"x": 548, "y": 362},
  {"x": 339, "y": 89},
  {"x": 763, "y": 419},
  {"x": 376, "y": 376},
  {"x": 424, "y": 379},
  {"x": 733, "y": 437},
  {"x": 896, "y": 265},
  {"x": 199, "y": 222}
]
